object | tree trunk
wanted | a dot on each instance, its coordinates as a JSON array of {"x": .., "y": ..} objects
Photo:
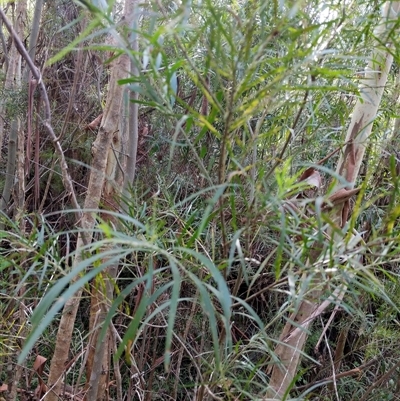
[
  {"x": 103, "y": 167},
  {"x": 34, "y": 34},
  {"x": 293, "y": 337},
  {"x": 10, "y": 170},
  {"x": 16, "y": 138},
  {"x": 12, "y": 83},
  {"x": 98, "y": 363},
  {"x": 133, "y": 111}
]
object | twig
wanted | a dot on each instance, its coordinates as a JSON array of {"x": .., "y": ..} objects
[
  {"x": 334, "y": 380},
  {"x": 288, "y": 140},
  {"x": 353, "y": 372},
  {"x": 385, "y": 377}
]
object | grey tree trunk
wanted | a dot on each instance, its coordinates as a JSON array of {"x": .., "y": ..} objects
[
  {"x": 12, "y": 83},
  {"x": 133, "y": 123},
  {"x": 34, "y": 34},
  {"x": 10, "y": 169},
  {"x": 14, "y": 174}
]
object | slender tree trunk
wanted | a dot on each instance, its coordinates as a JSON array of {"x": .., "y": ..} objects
[
  {"x": 14, "y": 174},
  {"x": 392, "y": 146},
  {"x": 20, "y": 175},
  {"x": 366, "y": 108},
  {"x": 11, "y": 162},
  {"x": 34, "y": 34},
  {"x": 12, "y": 83},
  {"x": 103, "y": 170},
  {"x": 133, "y": 133},
  {"x": 293, "y": 337},
  {"x": 99, "y": 353},
  {"x": 396, "y": 129}
]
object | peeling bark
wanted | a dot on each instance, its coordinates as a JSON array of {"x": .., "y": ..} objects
[
  {"x": 101, "y": 148},
  {"x": 99, "y": 354}
]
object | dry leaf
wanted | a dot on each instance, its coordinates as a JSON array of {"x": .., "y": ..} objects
[
  {"x": 314, "y": 179},
  {"x": 39, "y": 364},
  {"x": 38, "y": 367},
  {"x": 95, "y": 123}
]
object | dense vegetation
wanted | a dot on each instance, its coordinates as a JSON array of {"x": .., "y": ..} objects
[{"x": 199, "y": 200}]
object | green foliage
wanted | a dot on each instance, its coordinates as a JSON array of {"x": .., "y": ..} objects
[
  {"x": 220, "y": 242},
  {"x": 14, "y": 103}
]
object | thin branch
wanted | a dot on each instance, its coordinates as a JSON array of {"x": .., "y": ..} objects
[
  {"x": 384, "y": 378},
  {"x": 288, "y": 139},
  {"x": 353, "y": 372}
]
